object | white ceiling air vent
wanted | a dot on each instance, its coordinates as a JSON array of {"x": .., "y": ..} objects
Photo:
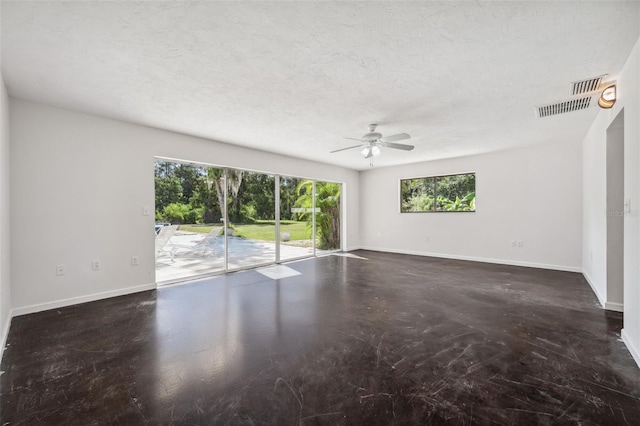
[
  {"x": 586, "y": 86},
  {"x": 563, "y": 107}
]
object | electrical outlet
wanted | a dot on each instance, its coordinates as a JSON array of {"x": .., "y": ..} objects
[
  {"x": 426, "y": 239},
  {"x": 95, "y": 265},
  {"x": 60, "y": 269},
  {"x": 134, "y": 260}
]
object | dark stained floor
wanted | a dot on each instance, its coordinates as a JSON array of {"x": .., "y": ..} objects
[{"x": 390, "y": 339}]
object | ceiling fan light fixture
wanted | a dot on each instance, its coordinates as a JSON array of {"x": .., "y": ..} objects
[
  {"x": 371, "y": 143},
  {"x": 608, "y": 97}
]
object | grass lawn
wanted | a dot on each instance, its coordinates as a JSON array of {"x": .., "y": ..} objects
[{"x": 261, "y": 230}]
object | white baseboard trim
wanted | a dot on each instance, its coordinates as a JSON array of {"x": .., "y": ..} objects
[
  {"x": 632, "y": 348},
  {"x": 594, "y": 289},
  {"x": 5, "y": 334},
  {"x": 613, "y": 306},
  {"x": 478, "y": 259},
  {"x": 609, "y": 306},
  {"x": 80, "y": 299}
]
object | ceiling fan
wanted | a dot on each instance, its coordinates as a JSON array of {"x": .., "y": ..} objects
[{"x": 372, "y": 142}]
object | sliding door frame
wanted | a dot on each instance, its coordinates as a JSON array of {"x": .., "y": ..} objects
[{"x": 225, "y": 218}]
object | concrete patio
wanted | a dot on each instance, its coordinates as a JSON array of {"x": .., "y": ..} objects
[{"x": 243, "y": 253}]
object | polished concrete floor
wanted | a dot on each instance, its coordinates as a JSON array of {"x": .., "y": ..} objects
[{"x": 383, "y": 339}]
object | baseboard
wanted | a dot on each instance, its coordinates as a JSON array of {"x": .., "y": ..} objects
[
  {"x": 632, "y": 348},
  {"x": 612, "y": 306},
  {"x": 5, "y": 334},
  {"x": 80, "y": 299},
  {"x": 609, "y": 306},
  {"x": 594, "y": 289},
  {"x": 478, "y": 259}
]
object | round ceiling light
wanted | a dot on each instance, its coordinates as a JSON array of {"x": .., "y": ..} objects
[{"x": 608, "y": 97}]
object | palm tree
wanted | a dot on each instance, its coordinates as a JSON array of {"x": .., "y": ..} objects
[{"x": 327, "y": 211}]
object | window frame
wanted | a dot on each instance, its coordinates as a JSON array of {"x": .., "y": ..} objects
[{"x": 435, "y": 192}]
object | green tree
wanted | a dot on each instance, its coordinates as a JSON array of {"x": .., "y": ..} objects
[
  {"x": 439, "y": 193},
  {"x": 327, "y": 210},
  {"x": 179, "y": 185},
  {"x": 288, "y": 197},
  {"x": 453, "y": 186},
  {"x": 418, "y": 194},
  {"x": 257, "y": 197},
  {"x": 234, "y": 180},
  {"x": 465, "y": 204},
  {"x": 168, "y": 190},
  {"x": 176, "y": 213},
  {"x": 164, "y": 169},
  {"x": 190, "y": 178},
  {"x": 205, "y": 197}
]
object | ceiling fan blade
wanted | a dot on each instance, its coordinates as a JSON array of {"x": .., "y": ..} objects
[
  {"x": 354, "y": 139},
  {"x": 398, "y": 137},
  {"x": 399, "y": 146},
  {"x": 344, "y": 149}
]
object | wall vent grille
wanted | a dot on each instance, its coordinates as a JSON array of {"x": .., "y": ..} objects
[
  {"x": 564, "y": 107},
  {"x": 586, "y": 86}
]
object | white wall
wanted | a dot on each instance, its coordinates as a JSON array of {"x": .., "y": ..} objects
[
  {"x": 79, "y": 183},
  {"x": 530, "y": 194},
  {"x": 630, "y": 83},
  {"x": 5, "y": 228},
  {"x": 594, "y": 189}
]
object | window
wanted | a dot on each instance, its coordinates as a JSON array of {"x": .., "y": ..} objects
[{"x": 449, "y": 193}]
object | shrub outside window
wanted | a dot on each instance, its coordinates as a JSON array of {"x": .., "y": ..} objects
[{"x": 447, "y": 193}]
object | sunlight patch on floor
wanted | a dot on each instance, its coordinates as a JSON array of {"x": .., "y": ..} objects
[
  {"x": 355, "y": 256},
  {"x": 278, "y": 272}
]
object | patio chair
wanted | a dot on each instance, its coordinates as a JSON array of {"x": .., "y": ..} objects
[
  {"x": 209, "y": 245},
  {"x": 162, "y": 240}
]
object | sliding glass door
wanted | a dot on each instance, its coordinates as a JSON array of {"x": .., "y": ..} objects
[
  {"x": 296, "y": 220},
  {"x": 251, "y": 230},
  {"x": 327, "y": 216},
  {"x": 211, "y": 219},
  {"x": 189, "y": 207}
]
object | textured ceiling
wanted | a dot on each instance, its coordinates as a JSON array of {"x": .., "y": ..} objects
[{"x": 297, "y": 77}]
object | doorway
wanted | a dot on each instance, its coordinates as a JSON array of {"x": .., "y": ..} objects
[{"x": 615, "y": 214}]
